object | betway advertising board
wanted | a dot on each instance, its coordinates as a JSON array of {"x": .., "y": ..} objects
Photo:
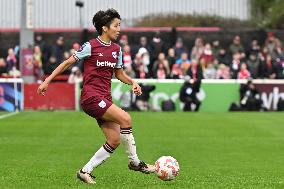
[
  {"x": 271, "y": 93},
  {"x": 215, "y": 95}
]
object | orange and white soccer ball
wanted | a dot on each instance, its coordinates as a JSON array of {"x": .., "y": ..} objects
[{"x": 167, "y": 168}]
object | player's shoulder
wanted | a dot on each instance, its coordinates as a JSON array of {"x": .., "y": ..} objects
[
  {"x": 93, "y": 42},
  {"x": 116, "y": 46}
]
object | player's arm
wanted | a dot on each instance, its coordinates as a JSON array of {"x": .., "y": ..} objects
[
  {"x": 123, "y": 77},
  {"x": 83, "y": 52},
  {"x": 60, "y": 69}
]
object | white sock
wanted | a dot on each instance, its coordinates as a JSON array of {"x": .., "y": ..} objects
[
  {"x": 128, "y": 141},
  {"x": 100, "y": 156}
]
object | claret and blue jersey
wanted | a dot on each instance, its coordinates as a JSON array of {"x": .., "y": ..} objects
[{"x": 100, "y": 59}]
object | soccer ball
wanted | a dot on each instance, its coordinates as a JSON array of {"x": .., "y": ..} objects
[{"x": 166, "y": 168}]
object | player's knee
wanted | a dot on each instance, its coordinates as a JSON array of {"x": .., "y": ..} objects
[{"x": 126, "y": 120}]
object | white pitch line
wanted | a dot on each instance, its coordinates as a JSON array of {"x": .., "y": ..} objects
[{"x": 8, "y": 115}]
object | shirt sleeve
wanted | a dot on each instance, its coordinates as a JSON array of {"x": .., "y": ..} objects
[
  {"x": 83, "y": 52},
  {"x": 119, "y": 63}
]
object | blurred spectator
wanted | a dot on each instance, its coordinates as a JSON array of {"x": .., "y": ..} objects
[
  {"x": 187, "y": 95},
  {"x": 250, "y": 97},
  {"x": 176, "y": 72},
  {"x": 179, "y": 47},
  {"x": 145, "y": 58},
  {"x": 79, "y": 63},
  {"x": 222, "y": 57},
  {"x": 235, "y": 65},
  {"x": 14, "y": 72},
  {"x": 11, "y": 59},
  {"x": 253, "y": 65},
  {"x": 142, "y": 74},
  {"x": 167, "y": 67},
  {"x": 143, "y": 43},
  {"x": 129, "y": 71},
  {"x": 66, "y": 55},
  {"x": 264, "y": 52},
  {"x": 254, "y": 48},
  {"x": 237, "y": 47},
  {"x": 280, "y": 68},
  {"x": 216, "y": 48},
  {"x": 3, "y": 68},
  {"x": 37, "y": 55},
  {"x": 171, "y": 57},
  {"x": 198, "y": 48},
  {"x": 142, "y": 101},
  {"x": 127, "y": 61},
  {"x": 17, "y": 54},
  {"x": 37, "y": 62},
  {"x": 279, "y": 53},
  {"x": 51, "y": 65},
  {"x": 141, "y": 70},
  {"x": 76, "y": 46},
  {"x": 183, "y": 62},
  {"x": 156, "y": 46},
  {"x": 268, "y": 68},
  {"x": 271, "y": 43},
  {"x": 123, "y": 41},
  {"x": 244, "y": 73},
  {"x": 195, "y": 71},
  {"x": 45, "y": 50},
  {"x": 161, "y": 58},
  {"x": 72, "y": 51},
  {"x": 76, "y": 75},
  {"x": 137, "y": 62},
  {"x": 161, "y": 72},
  {"x": 210, "y": 72},
  {"x": 207, "y": 55},
  {"x": 215, "y": 63},
  {"x": 142, "y": 58},
  {"x": 223, "y": 72},
  {"x": 58, "y": 49}
]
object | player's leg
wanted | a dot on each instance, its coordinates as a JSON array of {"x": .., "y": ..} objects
[
  {"x": 112, "y": 134},
  {"x": 123, "y": 119}
]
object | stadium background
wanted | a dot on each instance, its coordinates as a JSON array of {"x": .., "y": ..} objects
[
  {"x": 223, "y": 150},
  {"x": 39, "y": 18}
]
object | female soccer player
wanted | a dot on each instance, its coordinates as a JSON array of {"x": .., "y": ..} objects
[{"x": 102, "y": 58}]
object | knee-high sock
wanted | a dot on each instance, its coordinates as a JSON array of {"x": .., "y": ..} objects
[
  {"x": 128, "y": 142},
  {"x": 100, "y": 156}
]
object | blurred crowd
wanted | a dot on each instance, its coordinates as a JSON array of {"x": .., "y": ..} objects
[
  {"x": 153, "y": 58},
  {"x": 204, "y": 60}
]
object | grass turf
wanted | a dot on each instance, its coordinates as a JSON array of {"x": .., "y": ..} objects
[
  {"x": 3, "y": 113},
  {"x": 214, "y": 150}
]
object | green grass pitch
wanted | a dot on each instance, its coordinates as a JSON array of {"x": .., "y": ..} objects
[{"x": 214, "y": 150}]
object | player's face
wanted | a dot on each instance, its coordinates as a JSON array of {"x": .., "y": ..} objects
[{"x": 114, "y": 29}]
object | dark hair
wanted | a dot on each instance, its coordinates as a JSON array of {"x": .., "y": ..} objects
[{"x": 104, "y": 18}]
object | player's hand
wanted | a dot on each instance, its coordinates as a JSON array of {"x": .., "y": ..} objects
[
  {"x": 42, "y": 88},
  {"x": 136, "y": 89}
]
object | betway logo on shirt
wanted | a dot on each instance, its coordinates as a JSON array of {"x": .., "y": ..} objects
[{"x": 106, "y": 63}]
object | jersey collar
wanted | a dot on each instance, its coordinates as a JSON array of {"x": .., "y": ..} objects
[{"x": 102, "y": 42}]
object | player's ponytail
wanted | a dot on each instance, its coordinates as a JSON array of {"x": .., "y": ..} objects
[{"x": 104, "y": 18}]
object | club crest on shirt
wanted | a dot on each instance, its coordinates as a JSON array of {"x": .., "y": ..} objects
[
  {"x": 102, "y": 104},
  {"x": 114, "y": 54}
]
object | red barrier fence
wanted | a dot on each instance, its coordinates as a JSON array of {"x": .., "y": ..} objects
[{"x": 59, "y": 96}]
